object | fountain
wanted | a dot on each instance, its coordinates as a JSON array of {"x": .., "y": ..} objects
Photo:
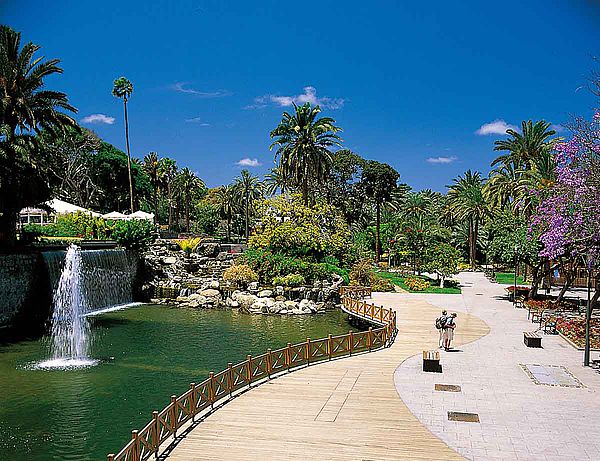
[
  {"x": 84, "y": 282},
  {"x": 70, "y": 328}
]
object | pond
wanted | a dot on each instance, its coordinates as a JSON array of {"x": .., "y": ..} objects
[{"x": 147, "y": 353}]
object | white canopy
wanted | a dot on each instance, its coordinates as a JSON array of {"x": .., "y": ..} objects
[
  {"x": 115, "y": 215},
  {"x": 142, "y": 215},
  {"x": 60, "y": 207}
]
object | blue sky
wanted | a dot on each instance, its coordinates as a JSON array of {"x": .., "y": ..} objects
[{"x": 410, "y": 83}]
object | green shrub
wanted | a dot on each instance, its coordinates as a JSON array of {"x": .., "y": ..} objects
[
  {"x": 134, "y": 235},
  {"x": 381, "y": 284},
  {"x": 290, "y": 280},
  {"x": 362, "y": 273},
  {"x": 415, "y": 283},
  {"x": 240, "y": 275},
  {"x": 78, "y": 224}
]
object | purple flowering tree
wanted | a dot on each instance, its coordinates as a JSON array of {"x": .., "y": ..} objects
[{"x": 568, "y": 218}]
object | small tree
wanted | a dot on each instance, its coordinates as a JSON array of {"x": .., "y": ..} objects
[
  {"x": 443, "y": 260},
  {"x": 380, "y": 182}
]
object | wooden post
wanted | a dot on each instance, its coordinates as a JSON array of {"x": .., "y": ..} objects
[
  {"x": 155, "y": 433},
  {"x": 381, "y": 314},
  {"x": 192, "y": 400},
  {"x": 350, "y": 341},
  {"x": 329, "y": 346},
  {"x": 110, "y": 457},
  {"x": 307, "y": 351},
  {"x": 174, "y": 414},
  {"x": 135, "y": 456},
  {"x": 288, "y": 355},
  {"x": 269, "y": 359},
  {"x": 370, "y": 338},
  {"x": 249, "y": 369},
  {"x": 230, "y": 378},
  {"x": 211, "y": 389}
]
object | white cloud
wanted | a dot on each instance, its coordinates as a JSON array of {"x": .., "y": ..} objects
[
  {"x": 498, "y": 126},
  {"x": 181, "y": 87},
  {"x": 248, "y": 162},
  {"x": 98, "y": 118},
  {"x": 309, "y": 95},
  {"x": 442, "y": 160},
  {"x": 197, "y": 120}
]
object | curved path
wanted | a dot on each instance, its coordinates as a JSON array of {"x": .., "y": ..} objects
[
  {"x": 520, "y": 420},
  {"x": 346, "y": 409}
]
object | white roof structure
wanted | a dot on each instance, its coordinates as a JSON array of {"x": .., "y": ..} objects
[
  {"x": 141, "y": 215},
  {"x": 62, "y": 207},
  {"x": 115, "y": 215}
]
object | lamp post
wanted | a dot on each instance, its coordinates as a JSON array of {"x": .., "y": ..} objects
[{"x": 588, "y": 312}]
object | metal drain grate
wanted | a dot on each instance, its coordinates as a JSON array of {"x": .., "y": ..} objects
[
  {"x": 463, "y": 417},
  {"x": 447, "y": 388}
]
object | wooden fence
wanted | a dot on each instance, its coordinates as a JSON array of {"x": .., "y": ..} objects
[{"x": 219, "y": 387}]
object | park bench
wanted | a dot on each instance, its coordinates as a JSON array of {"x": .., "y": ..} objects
[
  {"x": 532, "y": 339},
  {"x": 431, "y": 361},
  {"x": 520, "y": 302}
]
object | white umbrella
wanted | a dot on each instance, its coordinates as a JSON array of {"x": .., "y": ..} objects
[
  {"x": 115, "y": 215},
  {"x": 142, "y": 215},
  {"x": 62, "y": 207}
]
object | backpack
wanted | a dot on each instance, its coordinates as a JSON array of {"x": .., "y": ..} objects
[{"x": 440, "y": 322}]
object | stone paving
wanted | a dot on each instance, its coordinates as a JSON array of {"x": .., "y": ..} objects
[{"x": 519, "y": 420}]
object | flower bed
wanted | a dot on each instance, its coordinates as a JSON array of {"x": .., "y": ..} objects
[{"x": 574, "y": 330}]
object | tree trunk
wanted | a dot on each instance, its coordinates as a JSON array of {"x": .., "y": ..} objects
[
  {"x": 187, "y": 216},
  {"x": 169, "y": 198},
  {"x": 569, "y": 276},
  {"x": 475, "y": 231},
  {"x": 377, "y": 232},
  {"x": 247, "y": 216},
  {"x": 305, "y": 191},
  {"x": 128, "y": 153},
  {"x": 8, "y": 227},
  {"x": 228, "y": 230}
]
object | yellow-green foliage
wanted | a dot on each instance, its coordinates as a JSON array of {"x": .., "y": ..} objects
[
  {"x": 362, "y": 273},
  {"x": 290, "y": 280},
  {"x": 290, "y": 227},
  {"x": 381, "y": 284},
  {"x": 240, "y": 275},
  {"x": 189, "y": 245},
  {"x": 416, "y": 283}
]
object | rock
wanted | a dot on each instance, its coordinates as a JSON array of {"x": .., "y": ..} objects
[
  {"x": 253, "y": 286},
  {"x": 245, "y": 300},
  {"x": 265, "y": 293},
  {"x": 231, "y": 303},
  {"x": 280, "y": 298},
  {"x": 209, "y": 249},
  {"x": 209, "y": 293},
  {"x": 290, "y": 304},
  {"x": 279, "y": 290},
  {"x": 222, "y": 256},
  {"x": 169, "y": 260},
  {"x": 182, "y": 299},
  {"x": 214, "y": 284}
]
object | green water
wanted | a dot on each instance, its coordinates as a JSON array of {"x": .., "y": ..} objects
[{"x": 147, "y": 354}]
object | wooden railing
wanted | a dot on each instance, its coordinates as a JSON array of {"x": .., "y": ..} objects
[{"x": 221, "y": 386}]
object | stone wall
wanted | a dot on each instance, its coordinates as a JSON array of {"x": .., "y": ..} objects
[{"x": 23, "y": 285}]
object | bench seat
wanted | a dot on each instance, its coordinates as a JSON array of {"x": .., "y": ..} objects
[
  {"x": 532, "y": 339},
  {"x": 431, "y": 361}
]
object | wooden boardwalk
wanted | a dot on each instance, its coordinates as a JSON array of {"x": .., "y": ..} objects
[{"x": 346, "y": 409}]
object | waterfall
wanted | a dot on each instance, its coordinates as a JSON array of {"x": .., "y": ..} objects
[{"x": 84, "y": 282}]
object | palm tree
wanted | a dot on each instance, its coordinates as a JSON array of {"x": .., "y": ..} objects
[
  {"x": 122, "y": 88},
  {"x": 467, "y": 203},
  {"x": 227, "y": 205},
  {"x": 303, "y": 144},
  {"x": 275, "y": 180},
  {"x": 167, "y": 171},
  {"x": 188, "y": 186},
  {"x": 248, "y": 189},
  {"x": 25, "y": 108},
  {"x": 523, "y": 148},
  {"x": 151, "y": 167}
]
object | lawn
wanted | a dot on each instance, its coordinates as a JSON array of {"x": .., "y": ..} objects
[
  {"x": 397, "y": 279},
  {"x": 508, "y": 278}
]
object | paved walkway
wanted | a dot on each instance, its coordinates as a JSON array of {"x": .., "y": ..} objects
[
  {"x": 520, "y": 420},
  {"x": 347, "y": 409}
]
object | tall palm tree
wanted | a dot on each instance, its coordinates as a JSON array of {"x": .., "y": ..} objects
[
  {"x": 248, "y": 190},
  {"x": 523, "y": 148},
  {"x": 188, "y": 187},
  {"x": 303, "y": 144},
  {"x": 275, "y": 180},
  {"x": 151, "y": 167},
  {"x": 25, "y": 108},
  {"x": 122, "y": 88},
  {"x": 467, "y": 203},
  {"x": 227, "y": 205}
]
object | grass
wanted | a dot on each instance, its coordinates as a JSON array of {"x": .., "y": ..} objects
[
  {"x": 508, "y": 278},
  {"x": 397, "y": 279}
]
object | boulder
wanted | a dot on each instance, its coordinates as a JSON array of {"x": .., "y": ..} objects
[
  {"x": 279, "y": 290},
  {"x": 245, "y": 300},
  {"x": 169, "y": 260},
  {"x": 231, "y": 303},
  {"x": 265, "y": 293},
  {"x": 253, "y": 286}
]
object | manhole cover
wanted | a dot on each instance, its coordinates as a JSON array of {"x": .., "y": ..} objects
[
  {"x": 551, "y": 375},
  {"x": 447, "y": 388},
  {"x": 464, "y": 417}
]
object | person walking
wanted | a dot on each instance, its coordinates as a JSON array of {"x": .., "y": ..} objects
[
  {"x": 448, "y": 334},
  {"x": 440, "y": 322}
]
